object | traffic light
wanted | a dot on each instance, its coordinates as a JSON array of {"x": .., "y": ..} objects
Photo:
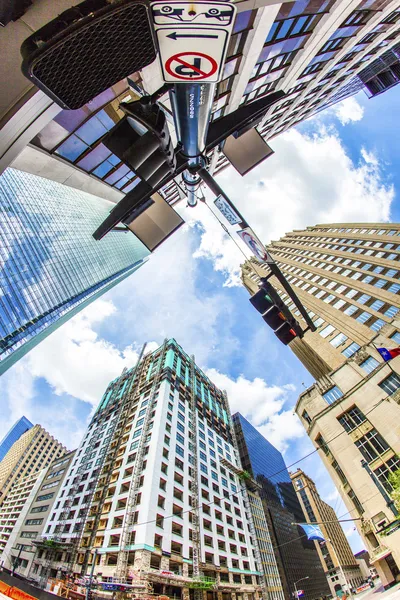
[
  {"x": 142, "y": 141},
  {"x": 276, "y": 314}
]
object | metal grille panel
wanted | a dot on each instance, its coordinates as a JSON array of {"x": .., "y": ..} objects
[{"x": 91, "y": 54}]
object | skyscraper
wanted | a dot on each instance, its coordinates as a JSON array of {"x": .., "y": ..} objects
[
  {"x": 51, "y": 265},
  {"x": 33, "y": 451},
  {"x": 296, "y": 556},
  {"x": 157, "y": 488},
  {"x": 22, "y": 425},
  {"x": 24, "y": 513},
  {"x": 335, "y": 553},
  {"x": 347, "y": 277},
  {"x": 316, "y": 52}
]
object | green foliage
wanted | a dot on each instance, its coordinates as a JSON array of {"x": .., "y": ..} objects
[
  {"x": 394, "y": 479},
  {"x": 244, "y": 475}
]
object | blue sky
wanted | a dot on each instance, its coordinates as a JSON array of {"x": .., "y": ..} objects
[{"x": 342, "y": 166}]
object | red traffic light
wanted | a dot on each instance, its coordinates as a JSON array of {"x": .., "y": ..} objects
[{"x": 276, "y": 314}]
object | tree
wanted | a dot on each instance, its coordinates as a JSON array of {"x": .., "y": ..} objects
[{"x": 394, "y": 479}]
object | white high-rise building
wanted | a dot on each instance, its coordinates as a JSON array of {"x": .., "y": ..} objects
[{"x": 156, "y": 487}]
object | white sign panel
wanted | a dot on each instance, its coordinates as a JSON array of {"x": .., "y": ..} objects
[
  {"x": 192, "y": 39},
  {"x": 257, "y": 248},
  {"x": 230, "y": 215}
]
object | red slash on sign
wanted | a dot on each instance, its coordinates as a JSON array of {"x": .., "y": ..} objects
[{"x": 191, "y": 66}]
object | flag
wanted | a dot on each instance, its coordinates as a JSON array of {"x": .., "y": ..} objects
[
  {"x": 389, "y": 354},
  {"x": 313, "y": 532}
]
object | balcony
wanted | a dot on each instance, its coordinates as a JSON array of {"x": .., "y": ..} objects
[{"x": 378, "y": 553}]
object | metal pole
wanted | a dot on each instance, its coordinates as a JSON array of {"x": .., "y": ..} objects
[
  {"x": 323, "y": 522},
  {"x": 218, "y": 191},
  {"x": 288, "y": 288},
  {"x": 296, "y": 582},
  {"x": 16, "y": 561},
  {"x": 295, "y": 590},
  {"x": 89, "y": 586},
  {"x": 192, "y": 105}
]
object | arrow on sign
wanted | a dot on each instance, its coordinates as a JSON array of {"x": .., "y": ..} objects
[{"x": 175, "y": 36}]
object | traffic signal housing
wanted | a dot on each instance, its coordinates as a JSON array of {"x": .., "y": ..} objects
[
  {"x": 276, "y": 314},
  {"x": 142, "y": 141}
]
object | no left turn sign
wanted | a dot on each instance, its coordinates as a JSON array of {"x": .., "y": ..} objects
[
  {"x": 191, "y": 66},
  {"x": 193, "y": 39}
]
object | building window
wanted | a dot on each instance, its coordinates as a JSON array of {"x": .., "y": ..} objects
[
  {"x": 332, "y": 395},
  {"x": 338, "y": 340},
  {"x": 179, "y": 450},
  {"x": 394, "y": 288},
  {"x": 390, "y": 384},
  {"x": 350, "y": 350},
  {"x": 322, "y": 444},
  {"x": 281, "y": 30},
  {"x": 339, "y": 472},
  {"x": 370, "y": 364},
  {"x": 352, "y": 418},
  {"x": 327, "y": 331},
  {"x": 384, "y": 471},
  {"x": 34, "y": 522},
  {"x": 391, "y": 311},
  {"x": 377, "y": 324},
  {"x": 395, "y": 337},
  {"x": 363, "y": 317},
  {"x": 371, "y": 445},
  {"x": 356, "y": 502},
  {"x": 29, "y": 534},
  {"x": 306, "y": 416}
]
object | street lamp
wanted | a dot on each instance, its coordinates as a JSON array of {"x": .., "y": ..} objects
[{"x": 296, "y": 582}]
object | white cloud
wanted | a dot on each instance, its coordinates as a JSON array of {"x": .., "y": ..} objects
[
  {"x": 165, "y": 299},
  {"x": 348, "y": 111},
  {"x": 350, "y": 531},
  {"x": 76, "y": 361},
  {"x": 332, "y": 496},
  {"x": 262, "y": 405},
  {"x": 310, "y": 179}
]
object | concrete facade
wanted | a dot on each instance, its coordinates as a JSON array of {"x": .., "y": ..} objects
[
  {"x": 316, "y": 52},
  {"x": 34, "y": 450},
  {"x": 347, "y": 276},
  {"x": 335, "y": 553},
  {"x": 31, "y": 513}
]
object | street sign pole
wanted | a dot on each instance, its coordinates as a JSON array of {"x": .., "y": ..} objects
[
  {"x": 192, "y": 104},
  {"x": 193, "y": 42}
]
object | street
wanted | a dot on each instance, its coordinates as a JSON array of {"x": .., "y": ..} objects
[{"x": 378, "y": 593}]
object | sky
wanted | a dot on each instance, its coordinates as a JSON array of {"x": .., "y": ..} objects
[{"x": 340, "y": 166}]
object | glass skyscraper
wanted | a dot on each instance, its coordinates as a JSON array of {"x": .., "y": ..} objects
[
  {"x": 20, "y": 427},
  {"x": 296, "y": 556},
  {"x": 51, "y": 267}
]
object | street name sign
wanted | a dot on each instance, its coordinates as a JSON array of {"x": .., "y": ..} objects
[
  {"x": 192, "y": 39},
  {"x": 224, "y": 207}
]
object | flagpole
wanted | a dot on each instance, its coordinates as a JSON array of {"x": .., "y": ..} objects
[{"x": 323, "y": 522}]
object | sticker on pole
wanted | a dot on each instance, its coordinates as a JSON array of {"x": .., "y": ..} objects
[
  {"x": 257, "y": 248},
  {"x": 192, "y": 39},
  {"x": 191, "y": 66}
]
